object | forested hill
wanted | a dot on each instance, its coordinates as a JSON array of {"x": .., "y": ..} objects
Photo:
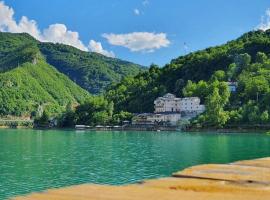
[
  {"x": 28, "y": 83},
  {"x": 138, "y": 93},
  {"x": 92, "y": 71}
]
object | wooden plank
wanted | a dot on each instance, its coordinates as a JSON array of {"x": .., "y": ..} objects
[
  {"x": 132, "y": 192},
  {"x": 247, "y": 174},
  {"x": 249, "y": 180},
  {"x": 264, "y": 162},
  {"x": 205, "y": 185}
]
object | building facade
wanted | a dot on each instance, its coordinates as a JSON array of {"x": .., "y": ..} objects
[
  {"x": 169, "y": 103},
  {"x": 169, "y": 109}
]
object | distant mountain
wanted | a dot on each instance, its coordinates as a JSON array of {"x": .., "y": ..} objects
[
  {"x": 34, "y": 74},
  {"x": 92, "y": 71}
]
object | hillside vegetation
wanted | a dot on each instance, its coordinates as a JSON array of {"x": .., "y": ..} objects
[
  {"x": 28, "y": 83},
  {"x": 37, "y": 76},
  {"x": 27, "y": 87},
  {"x": 92, "y": 71},
  {"x": 205, "y": 73}
]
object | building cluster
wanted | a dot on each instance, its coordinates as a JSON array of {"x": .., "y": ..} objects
[{"x": 169, "y": 110}]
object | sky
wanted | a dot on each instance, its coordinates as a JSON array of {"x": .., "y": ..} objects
[{"x": 140, "y": 31}]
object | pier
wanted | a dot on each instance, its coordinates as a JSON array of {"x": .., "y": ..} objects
[{"x": 242, "y": 180}]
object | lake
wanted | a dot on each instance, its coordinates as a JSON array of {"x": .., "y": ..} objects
[{"x": 34, "y": 160}]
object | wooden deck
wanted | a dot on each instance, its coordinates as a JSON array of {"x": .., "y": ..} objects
[{"x": 244, "y": 180}]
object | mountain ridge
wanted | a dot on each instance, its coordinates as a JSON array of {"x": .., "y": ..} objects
[{"x": 137, "y": 94}]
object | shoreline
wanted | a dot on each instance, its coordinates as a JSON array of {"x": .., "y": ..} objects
[{"x": 191, "y": 130}]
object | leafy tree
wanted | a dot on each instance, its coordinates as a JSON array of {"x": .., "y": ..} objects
[
  {"x": 96, "y": 110},
  {"x": 219, "y": 76},
  {"x": 43, "y": 121},
  {"x": 261, "y": 57},
  {"x": 265, "y": 117},
  {"x": 215, "y": 102}
]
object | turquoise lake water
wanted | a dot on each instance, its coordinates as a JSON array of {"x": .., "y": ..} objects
[{"x": 33, "y": 160}]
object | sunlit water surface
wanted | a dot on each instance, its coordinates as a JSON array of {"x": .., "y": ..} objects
[{"x": 33, "y": 160}]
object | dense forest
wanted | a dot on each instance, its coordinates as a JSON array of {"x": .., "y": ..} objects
[
  {"x": 28, "y": 82},
  {"x": 37, "y": 77},
  {"x": 92, "y": 71},
  {"x": 205, "y": 74}
]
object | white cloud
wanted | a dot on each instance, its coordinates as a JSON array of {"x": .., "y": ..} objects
[
  {"x": 139, "y": 41},
  {"x": 56, "y": 33},
  {"x": 97, "y": 47},
  {"x": 265, "y": 21},
  {"x": 8, "y": 24},
  {"x": 137, "y": 11}
]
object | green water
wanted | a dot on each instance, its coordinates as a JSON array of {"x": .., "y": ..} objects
[{"x": 33, "y": 160}]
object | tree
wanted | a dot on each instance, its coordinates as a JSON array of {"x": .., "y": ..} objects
[
  {"x": 242, "y": 61},
  {"x": 261, "y": 57},
  {"x": 265, "y": 116},
  {"x": 43, "y": 121},
  {"x": 122, "y": 116},
  {"x": 254, "y": 86},
  {"x": 96, "y": 110},
  {"x": 218, "y": 75},
  {"x": 215, "y": 114},
  {"x": 232, "y": 71}
]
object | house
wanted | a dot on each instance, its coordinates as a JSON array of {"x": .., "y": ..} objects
[
  {"x": 191, "y": 105},
  {"x": 169, "y": 103},
  {"x": 169, "y": 109}
]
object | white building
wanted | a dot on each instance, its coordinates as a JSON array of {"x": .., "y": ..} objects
[
  {"x": 191, "y": 105},
  {"x": 169, "y": 109},
  {"x": 169, "y": 103}
]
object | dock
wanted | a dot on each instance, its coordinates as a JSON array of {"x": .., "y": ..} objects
[{"x": 242, "y": 180}]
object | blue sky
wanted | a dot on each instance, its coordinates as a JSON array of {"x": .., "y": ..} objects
[{"x": 141, "y": 31}]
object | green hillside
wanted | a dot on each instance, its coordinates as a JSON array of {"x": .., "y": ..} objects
[
  {"x": 35, "y": 74},
  {"x": 92, "y": 71},
  {"x": 28, "y": 82},
  {"x": 238, "y": 57},
  {"x": 26, "y": 87}
]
